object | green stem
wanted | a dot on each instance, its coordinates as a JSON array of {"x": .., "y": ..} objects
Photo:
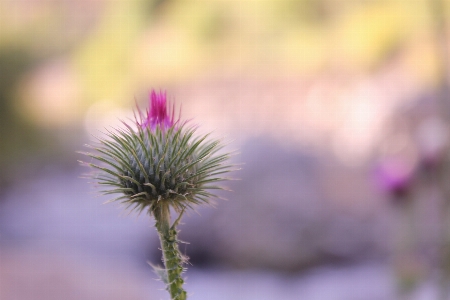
[
  {"x": 405, "y": 248},
  {"x": 172, "y": 258}
]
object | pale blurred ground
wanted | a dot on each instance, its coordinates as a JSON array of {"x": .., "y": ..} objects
[{"x": 312, "y": 92}]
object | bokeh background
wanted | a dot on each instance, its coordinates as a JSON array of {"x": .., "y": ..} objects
[{"x": 313, "y": 94}]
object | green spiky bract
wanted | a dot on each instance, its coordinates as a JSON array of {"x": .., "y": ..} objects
[{"x": 156, "y": 169}]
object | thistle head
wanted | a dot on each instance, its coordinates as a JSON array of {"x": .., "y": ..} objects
[{"x": 159, "y": 161}]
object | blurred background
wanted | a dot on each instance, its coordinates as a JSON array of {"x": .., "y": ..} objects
[{"x": 337, "y": 108}]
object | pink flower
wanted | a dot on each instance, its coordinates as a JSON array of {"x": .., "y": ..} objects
[
  {"x": 394, "y": 176},
  {"x": 158, "y": 114}
]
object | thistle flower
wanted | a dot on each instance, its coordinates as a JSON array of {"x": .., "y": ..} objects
[
  {"x": 395, "y": 177},
  {"x": 159, "y": 161},
  {"x": 156, "y": 164}
]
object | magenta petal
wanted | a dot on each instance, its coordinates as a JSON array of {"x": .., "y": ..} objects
[
  {"x": 394, "y": 176},
  {"x": 158, "y": 114}
]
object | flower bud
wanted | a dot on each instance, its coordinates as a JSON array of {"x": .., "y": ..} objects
[{"x": 159, "y": 160}]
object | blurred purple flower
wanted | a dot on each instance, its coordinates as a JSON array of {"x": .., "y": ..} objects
[
  {"x": 158, "y": 114},
  {"x": 394, "y": 176}
]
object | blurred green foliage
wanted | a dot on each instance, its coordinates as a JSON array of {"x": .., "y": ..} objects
[
  {"x": 103, "y": 58},
  {"x": 22, "y": 143},
  {"x": 15, "y": 134}
]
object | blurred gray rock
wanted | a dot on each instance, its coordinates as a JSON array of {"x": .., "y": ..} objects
[{"x": 284, "y": 214}]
